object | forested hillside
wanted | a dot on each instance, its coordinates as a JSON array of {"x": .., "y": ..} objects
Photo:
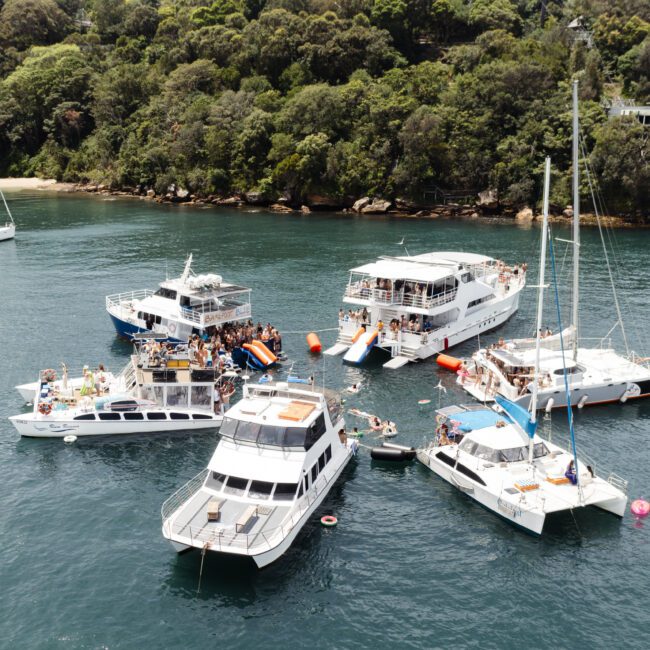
[{"x": 342, "y": 98}]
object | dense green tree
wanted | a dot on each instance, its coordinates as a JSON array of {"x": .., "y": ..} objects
[{"x": 24, "y": 23}]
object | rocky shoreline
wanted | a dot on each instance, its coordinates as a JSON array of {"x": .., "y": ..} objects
[{"x": 487, "y": 205}]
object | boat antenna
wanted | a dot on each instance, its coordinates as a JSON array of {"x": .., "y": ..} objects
[
  {"x": 7, "y": 207},
  {"x": 540, "y": 302},
  {"x": 576, "y": 219},
  {"x": 187, "y": 269}
]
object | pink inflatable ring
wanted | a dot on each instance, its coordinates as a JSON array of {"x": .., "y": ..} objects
[{"x": 640, "y": 508}]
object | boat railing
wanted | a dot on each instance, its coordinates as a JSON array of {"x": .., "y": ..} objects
[
  {"x": 124, "y": 300},
  {"x": 616, "y": 481},
  {"x": 183, "y": 493},
  {"x": 228, "y": 537},
  {"x": 126, "y": 380},
  {"x": 604, "y": 343}
]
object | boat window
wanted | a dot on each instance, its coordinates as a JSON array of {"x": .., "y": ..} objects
[
  {"x": 514, "y": 454},
  {"x": 177, "y": 395},
  {"x": 156, "y": 415},
  {"x": 247, "y": 431},
  {"x": 201, "y": 395},
  {"x": 328, "y": 454},
  {"x": 315, "y": 431},
  {"x": 166, "y": 293},
  {"x": 236, "y": 486},
  {"x": 201, "y": 416},
  {"x": 294, "y": 437},
  {"x": 85, "y": 416},
  {"x": 469, "y": 446},
  {"x": 109, "y": 416},
  {"x": 124, "y": 405},
  {"x": 133, "y": 416},
  {"x": 228, "y": 427},
  {"x": 314, "y": 472},
  {"x": 334, "y": 408},
  {"x": 179, "y": 416},
  {"x": 270, "y": 435},
  {"x": 467, "y": 277},
  {"x": 285, "y": 491},
  {"x": 540, "y": 450},
  {"x": 219, "y": 479},
  {"x": 321, "y": 462},
  {"x": 300, "y": 490},
  {"x": 260, "y": 490},
  {"x": 573, "y": 370}
]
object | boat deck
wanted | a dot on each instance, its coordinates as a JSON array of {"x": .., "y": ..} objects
[{"x": 190, "y": 522}]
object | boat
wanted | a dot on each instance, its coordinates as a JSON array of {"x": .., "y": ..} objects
[
  {"x": 8, "y": 230},
  {"x": 180, "y": 307},
  {"x": 280, "y": 452},
  {"x": 415, "y": 306},
  {"x": 147, "y": 396},
  {"x": 498, "y": 459},
  {"x": 597, "y": 375},
  {"x": 29, "y": 390}
]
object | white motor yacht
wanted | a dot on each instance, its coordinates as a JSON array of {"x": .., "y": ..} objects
[
  {"x": 147, "y": 396},
  {"x": 189, "y": 304},
  {"x": 8, "y": 230},
  {"x": 596, "y": 374},
  {"x": 279, "y": 454},
  {"x": 498, "y": 459},
  {"x": 415, "y": 306}
]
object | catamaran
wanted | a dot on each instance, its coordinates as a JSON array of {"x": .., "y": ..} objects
[
  {"x": 498, "y": 459},
  {"x": 597, "y": 375},
  {"x": 8, "y": 231},
  {"x": 189, "y": 304},
  {"x": 281, "y": 450},
  {"x": 417, "y": 306},
  {"x": 149, "y": 395}
]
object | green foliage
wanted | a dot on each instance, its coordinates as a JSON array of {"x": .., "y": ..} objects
[{"x": 340, "y": 97}]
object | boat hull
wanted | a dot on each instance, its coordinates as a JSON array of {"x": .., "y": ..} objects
[
  {"x": 7, "y": 232},
  {"x": 38, "y": 426}
]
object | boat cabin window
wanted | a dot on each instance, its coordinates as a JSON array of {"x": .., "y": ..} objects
[
  {"x": 467, "y": 277},
  {"x": 219, "y": 479},
  {"x": 271, "y": 435},
  {"x": 511, "y": 455},
  {"x": 328, "y": 454},
  {"x": 176, "y": 395},
  {"x": 156, "y": 415},
  {"x": 201, "y": 396},
  {"x": 236, "y": 486},
  {"x": 85, "y": 416},
  {"x": 109, "y": 416},
  {"x": 134, "y": 416},
  {"x": 247, "y": 431},
  {"x": 179, "y": 416},
  {"x": 166, "y": 293},
  {"x": 285, "y": 491},
  {"x": 201, "y": 416},
  {"x": 260, "y": 490},
  {"x": 314, "y": 472},
  {"x": 573, "y": 370},
  {"x": 321, "y": 462},
  {"x": 315, "y": 431}
]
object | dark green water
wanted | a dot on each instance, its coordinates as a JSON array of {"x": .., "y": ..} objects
[{"x": 413, "y": 563}]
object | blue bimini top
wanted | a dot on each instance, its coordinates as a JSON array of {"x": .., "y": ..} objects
[{"x": 472, "y": 420}]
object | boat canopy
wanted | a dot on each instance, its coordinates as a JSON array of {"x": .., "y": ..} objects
[
  {"x": 473, "y": 420},
  {"x": 518, "y": 415}
]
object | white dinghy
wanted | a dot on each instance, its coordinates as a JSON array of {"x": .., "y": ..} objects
[{"x": 8, "y": 230}]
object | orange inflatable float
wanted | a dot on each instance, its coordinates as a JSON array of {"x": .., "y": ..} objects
[
  {"x": 448, "y": 362},
  {"x": 264, "y": 350},
  {"x": 313, "y": 342}
]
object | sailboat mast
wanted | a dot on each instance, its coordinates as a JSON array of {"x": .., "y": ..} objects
[
  {"x": 540, "y": 299},
  {"x": 576, "y": 219},
  {"x": 6, "y": 206}
]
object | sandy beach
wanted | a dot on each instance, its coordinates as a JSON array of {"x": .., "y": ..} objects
[{"x": 34, "y": 184}]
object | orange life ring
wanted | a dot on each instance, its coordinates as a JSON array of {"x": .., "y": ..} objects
[
  {"x": 44, "y": 408},
  {"x": 329, "y": 520}
]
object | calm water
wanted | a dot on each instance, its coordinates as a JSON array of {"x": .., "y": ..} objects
[{"x": 413, "y": 563}]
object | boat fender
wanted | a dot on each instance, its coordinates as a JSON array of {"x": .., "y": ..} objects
[
  {"x": 172, "y": 328},
  {"x": 623, "y": 398},
  {"x": 582, "y": 401},
  {"x": 549, "y": 405},
  {"x": 448, "y": 362},
  {"x": 69, "y": 439},
  {"x": 313, "y": 343},
  {"x": 393, "y": 455},
  {"x": 44, "y": 408},
  {"x": 329, "y": 521}
]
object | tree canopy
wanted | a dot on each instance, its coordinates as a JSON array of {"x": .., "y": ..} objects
[{"x": 338, "y": 97}]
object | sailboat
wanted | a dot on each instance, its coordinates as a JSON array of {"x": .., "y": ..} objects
[
  {"x": 497, "y": 458},
  {"x": 8, "y": 231},
  {"x": 597, "y": 375}
]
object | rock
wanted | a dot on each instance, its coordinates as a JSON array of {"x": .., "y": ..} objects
[
  {"x": 305, "y": 209},
  {"x": 378, "y": 206},
  {"x": 181, "y": 193},
  {"x": 524, "y": 215},
  {"x": 361, "y": 204},
  {"x": 278, "y": 207},
  {"x": 568, "y": 212},
  {"x": 488, "y": 199},
  {"x": 231, "y": 200},
  {"x": 405, "y": 205},
  {"x": 255, "y": 198}
]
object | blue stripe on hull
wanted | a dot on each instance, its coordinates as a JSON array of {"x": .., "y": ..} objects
[{"x": 127, "y": 330}]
